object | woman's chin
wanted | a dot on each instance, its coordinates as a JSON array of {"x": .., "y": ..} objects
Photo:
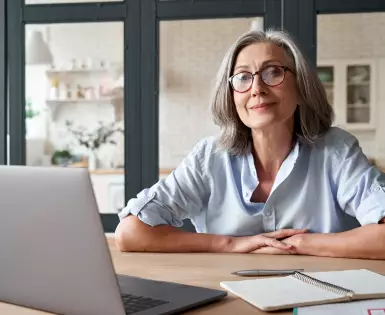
[
  {"x": 263, "y": 123},
  {"x": 267, "y": 120}
]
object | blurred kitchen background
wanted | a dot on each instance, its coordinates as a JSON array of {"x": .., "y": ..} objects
[{"x": 75, "y": 86}]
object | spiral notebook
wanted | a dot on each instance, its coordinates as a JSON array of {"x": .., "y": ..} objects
[{"x": 310, "y": 288}]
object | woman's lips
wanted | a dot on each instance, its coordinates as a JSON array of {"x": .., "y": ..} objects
[{"x": 262, "y": 105}]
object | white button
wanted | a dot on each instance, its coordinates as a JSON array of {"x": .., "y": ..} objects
[
  {"x": 376, "y": 189},
  {"x": 268, "y": 213}
]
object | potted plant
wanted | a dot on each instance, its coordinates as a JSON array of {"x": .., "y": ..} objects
[
  {"x": 95, "y": 139},
  {"x": 61, "y": 157},
  {"x": 30, "y": 114}
]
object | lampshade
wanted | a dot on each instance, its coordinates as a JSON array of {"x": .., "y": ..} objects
[{"x": 37, "y": 50}]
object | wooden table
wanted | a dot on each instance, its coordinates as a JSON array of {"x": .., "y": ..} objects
[{"x": 208, "y": 270}]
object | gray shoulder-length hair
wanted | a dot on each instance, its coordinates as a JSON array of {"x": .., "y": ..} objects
[{"x": 312, "y": 118}]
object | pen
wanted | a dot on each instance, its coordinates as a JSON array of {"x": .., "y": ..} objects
[{"x": 265, "y": 272}]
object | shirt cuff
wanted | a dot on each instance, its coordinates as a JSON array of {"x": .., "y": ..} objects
[
  {"x": 152, "y": 214},
  {"x": 372, "y": 209},
  {"x": 135, "y": 205}
]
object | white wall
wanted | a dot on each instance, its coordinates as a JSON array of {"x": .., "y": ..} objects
[{"x": 351, "y": 35}]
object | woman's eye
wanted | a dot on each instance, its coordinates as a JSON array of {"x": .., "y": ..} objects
[
  {"x": 243, "y": 77},
  {"x": 273, "y": 71}
]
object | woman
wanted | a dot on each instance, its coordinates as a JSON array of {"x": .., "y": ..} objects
[{"x": 278, "y": 179}]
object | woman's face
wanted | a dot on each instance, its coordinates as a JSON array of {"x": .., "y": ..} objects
[{"x": 262, "y": 105}]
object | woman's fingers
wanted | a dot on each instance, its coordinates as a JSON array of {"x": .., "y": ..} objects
[
  {"x": 272, "y": 242},
  {"x": 284, "y": 233},
  {"x": 247, "y": 244}
]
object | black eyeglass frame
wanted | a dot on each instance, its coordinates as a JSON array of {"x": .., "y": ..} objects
[{"x": 259, "y": 73}]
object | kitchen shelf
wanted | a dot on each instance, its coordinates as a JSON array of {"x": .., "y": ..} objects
[
  {"x": 73, "y": 81},
  {"x": 54, "y": 104},
  {"x": 80, "y": 70},
  {"x": 83, "y": 100}
]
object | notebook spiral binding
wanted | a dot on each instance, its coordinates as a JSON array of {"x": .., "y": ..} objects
[{"x": 324, "y": 285}]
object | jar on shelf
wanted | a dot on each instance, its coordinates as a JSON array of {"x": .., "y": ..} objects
[
  {"x": 74, "y": 64},
  {"x": 54, "y": 92},
  {"x": 69, "y": 94},
  {"x": 89, "y": 93},
  {"x": 79, "y": 92}
]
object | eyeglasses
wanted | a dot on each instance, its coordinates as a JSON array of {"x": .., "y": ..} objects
[{"x": 271, "y": 75}]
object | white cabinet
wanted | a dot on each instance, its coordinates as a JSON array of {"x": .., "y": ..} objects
[
  {"x": 109, "y": 190},
  {"x": 351, "y": 89}
]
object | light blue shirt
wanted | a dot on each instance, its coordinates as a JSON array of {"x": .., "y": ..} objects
[{"x": 326, "y": 187}]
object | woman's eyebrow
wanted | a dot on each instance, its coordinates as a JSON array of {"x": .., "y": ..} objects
[
  {"x": 244, "y": 67},
  {"x": 266, "y": 62}
]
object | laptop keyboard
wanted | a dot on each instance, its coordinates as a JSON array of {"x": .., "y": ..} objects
[{"x": 133, "y": 304}]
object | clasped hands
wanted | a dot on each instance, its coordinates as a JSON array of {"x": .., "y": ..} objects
[{"x": 285, "y": 241}]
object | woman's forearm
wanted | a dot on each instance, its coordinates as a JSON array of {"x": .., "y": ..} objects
[
  {"x": 366, "y": 242},
  {"x": 132, "y": 235}
]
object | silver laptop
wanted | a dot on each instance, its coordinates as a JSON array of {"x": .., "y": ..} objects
[{"x": 54, "y": 255}]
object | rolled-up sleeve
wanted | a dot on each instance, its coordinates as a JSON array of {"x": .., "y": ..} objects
[
  {"x": 179, "y": 196},
  {"x": 360, "y": 185}
]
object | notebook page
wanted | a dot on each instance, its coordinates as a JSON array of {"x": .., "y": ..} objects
[
  {"x": 362, "y": 281},
  {"x": 278, "y": 292},
  {"x": 367, "y": 307}
]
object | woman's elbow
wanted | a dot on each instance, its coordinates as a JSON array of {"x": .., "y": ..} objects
[{"x": 124, "y": 233}]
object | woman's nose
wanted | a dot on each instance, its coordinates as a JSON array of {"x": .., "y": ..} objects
[{"x": 258, "y": 86}]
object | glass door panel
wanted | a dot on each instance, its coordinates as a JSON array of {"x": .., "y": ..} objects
[
  {"x": 191, "y": 52},
  {"x": 74, "y": 103}
]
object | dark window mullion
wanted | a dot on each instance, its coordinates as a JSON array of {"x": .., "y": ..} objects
[
  {"x": 351, "y": 6},
  {"x": 132, "y": 100},
  {"x": 16, "y": 66},
  {"x": 273, "y": 14},
  {"x": 150, "y": 91},
  {"x": 133, "y": 163},
  {"x": 76, "y": 12},
  {"x": 308, "y": 29},
  {"x": 299, "y": 18},
  {"x": 207, "y": 9},
  {"x": 290, "y": 20},
  {"x": 3, "y": 82}
]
